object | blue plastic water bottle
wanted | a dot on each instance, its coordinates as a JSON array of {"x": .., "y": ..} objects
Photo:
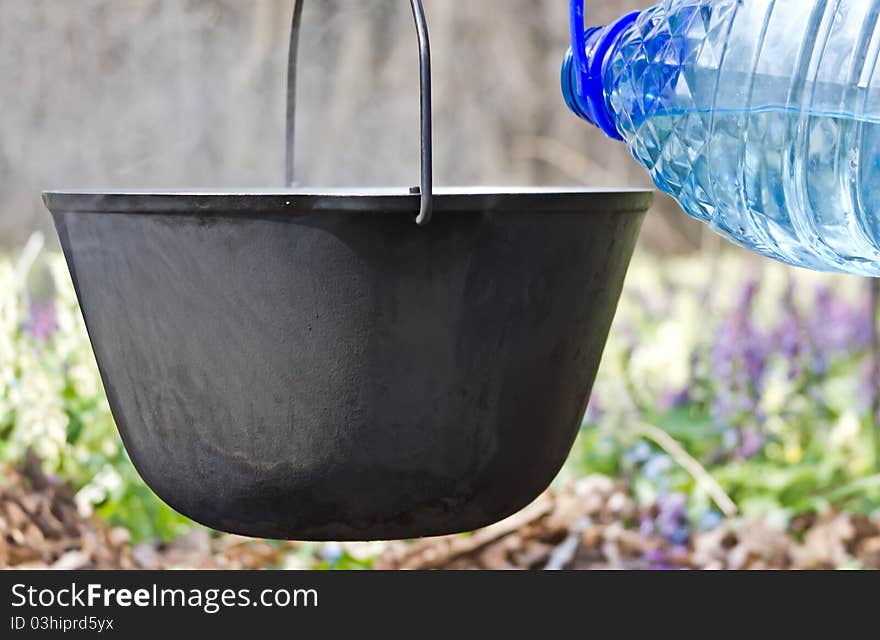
[{"x": 761, "y": 117}]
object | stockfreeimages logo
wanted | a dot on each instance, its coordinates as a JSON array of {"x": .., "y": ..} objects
[{"x": 208, "y": 600}]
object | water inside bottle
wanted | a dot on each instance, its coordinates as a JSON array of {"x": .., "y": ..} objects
[{"x": 799, "y": 187}]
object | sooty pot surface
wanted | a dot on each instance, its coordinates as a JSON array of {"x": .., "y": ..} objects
[{"x": 316, "y": 366}]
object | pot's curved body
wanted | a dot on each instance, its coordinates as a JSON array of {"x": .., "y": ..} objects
[{"x": 316, "y": 366}]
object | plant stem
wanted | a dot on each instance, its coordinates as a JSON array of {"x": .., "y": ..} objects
[{"x": 690, "y": 464}]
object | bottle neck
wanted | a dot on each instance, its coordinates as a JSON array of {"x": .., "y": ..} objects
[{"x": 583, "y": 72}]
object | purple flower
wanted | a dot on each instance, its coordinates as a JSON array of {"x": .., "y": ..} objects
[
  {"x": 42, "y": 321},
  {"x": 789, "y": 336},
  {"x": 837, "y": 327},
  {"x": 656, "y": 555},
  {"x": 666, "y": 559},
  {"x": 739, "y": 361},
  {"x": 671, "y": 518},
  {"x": 751, "y": 443},
  {"x": 672, "y": 505},
  {"x": 670, "y": 400},
  {"x": 658, "y": 560},
  {"x": 646, "y": 526}
]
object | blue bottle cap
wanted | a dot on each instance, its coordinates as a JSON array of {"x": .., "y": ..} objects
[{"x": 582, "y": 70}]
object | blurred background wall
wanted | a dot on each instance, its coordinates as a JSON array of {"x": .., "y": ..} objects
[{"x": 190, "y": 93}]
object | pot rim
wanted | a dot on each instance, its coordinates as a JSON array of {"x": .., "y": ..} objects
[{"x": 299, "y": 201}]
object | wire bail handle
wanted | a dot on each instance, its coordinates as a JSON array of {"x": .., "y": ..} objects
[{"x": 426, "y": 136}]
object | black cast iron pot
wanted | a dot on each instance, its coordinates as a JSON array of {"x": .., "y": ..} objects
[{"x": 316, "y": 366}]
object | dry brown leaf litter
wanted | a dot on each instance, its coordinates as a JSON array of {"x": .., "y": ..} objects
[
  {"x": 40, "y": 527},
  {"x": 589, "y": 525}
]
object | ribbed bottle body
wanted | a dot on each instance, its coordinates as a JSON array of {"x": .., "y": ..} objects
[{"x": 762, "y": 118}]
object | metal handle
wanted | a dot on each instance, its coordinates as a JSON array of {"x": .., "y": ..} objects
[{"x": 427, "y": 172}]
